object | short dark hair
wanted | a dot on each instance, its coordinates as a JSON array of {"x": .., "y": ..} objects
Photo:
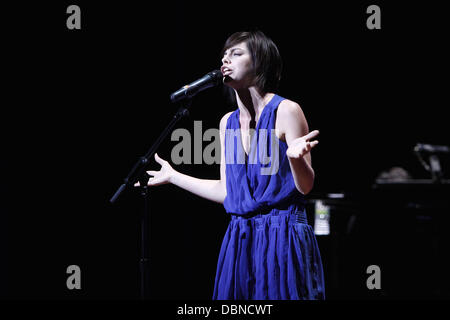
[{"x": 267, "y": 63}]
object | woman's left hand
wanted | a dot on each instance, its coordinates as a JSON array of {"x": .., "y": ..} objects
[{"x": 301, "y": 146}]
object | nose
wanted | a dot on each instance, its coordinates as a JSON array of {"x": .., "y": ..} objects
[{"x": 225, "y": 59}]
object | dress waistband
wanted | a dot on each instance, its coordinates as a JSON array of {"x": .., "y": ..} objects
[
  {"x": 288, "y": 208},
  {"x": 273, "y": 218}
]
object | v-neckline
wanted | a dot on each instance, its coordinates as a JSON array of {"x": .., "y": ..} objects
[{"x": 256, "y": 127}]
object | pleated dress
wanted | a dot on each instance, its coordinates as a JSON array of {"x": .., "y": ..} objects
[{"x": 269, "y": 251}]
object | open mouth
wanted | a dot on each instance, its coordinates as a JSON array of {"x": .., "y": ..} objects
[{"x": 226, "y": 71}]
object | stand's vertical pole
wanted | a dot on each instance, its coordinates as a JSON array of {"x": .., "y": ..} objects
[
  {"x": 144, "y": 263},
  {"x": 145, "y": 219}
]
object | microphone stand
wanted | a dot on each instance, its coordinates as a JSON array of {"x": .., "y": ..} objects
[{"x": 138, "y": 173}]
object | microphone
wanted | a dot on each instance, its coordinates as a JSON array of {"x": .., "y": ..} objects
[{"x": 211, "y": 79}]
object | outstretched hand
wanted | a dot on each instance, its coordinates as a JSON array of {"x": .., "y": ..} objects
[
  {"x": 159, "y": 177},
  {"x": 301, "y": 146}
]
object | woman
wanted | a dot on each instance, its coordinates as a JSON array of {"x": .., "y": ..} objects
[{"x": 269, "y": 251}]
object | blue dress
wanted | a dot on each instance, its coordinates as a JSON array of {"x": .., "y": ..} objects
[{"x": 269, "y": 250}]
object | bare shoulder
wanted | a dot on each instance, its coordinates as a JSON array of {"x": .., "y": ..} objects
[
  {"x": 290, "y": 120},
  {"x": 288, "y": 109}
]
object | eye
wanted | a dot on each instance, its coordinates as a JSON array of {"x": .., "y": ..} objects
[{"x": 237, "y": 54}]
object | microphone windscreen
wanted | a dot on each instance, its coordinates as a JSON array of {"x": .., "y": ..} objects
[{"x": 217, "y": 76}]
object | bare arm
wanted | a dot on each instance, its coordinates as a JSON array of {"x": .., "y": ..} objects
[
  {"x": 214, "y": 190},
  {"x": 295, "y": 129}
]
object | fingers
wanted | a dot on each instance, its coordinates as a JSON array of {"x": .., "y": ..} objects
[
  {"x": 154, "y": 182},
  {"x": 311, "y": 135},
  {"x": 297, "y": 152},
  {"x": 152, "y": 173},
  {"x": 151, "y": 182},
  {"x": 310, "y": 145},
  {"x": 158, "y": 159}
]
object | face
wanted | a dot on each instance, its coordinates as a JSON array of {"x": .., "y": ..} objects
[{"x": 237, "y": 67}]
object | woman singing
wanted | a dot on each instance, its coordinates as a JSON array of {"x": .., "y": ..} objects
[{"x": 269, "y": 250}]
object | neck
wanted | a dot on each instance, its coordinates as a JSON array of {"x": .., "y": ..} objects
[{"x": 251, "y": 101}]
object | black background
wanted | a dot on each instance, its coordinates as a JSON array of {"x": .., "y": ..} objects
[{"x": 80, "y": 106}]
